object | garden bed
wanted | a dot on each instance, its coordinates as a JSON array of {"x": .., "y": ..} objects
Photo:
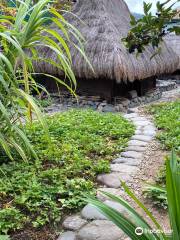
[
  {"x": 167, "y": 119},
  {"x": 35, "y": 195}
]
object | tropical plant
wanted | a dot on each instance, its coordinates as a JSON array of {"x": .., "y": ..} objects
[
  {"x": 150, "y": 29},
  {"x": 21, "y": 37},
  {"x": 135, "y": 221}
]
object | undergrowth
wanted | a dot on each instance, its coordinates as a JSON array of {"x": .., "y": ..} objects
[
  {"x": 40, "y": 192},
  {"x": 167, "y": 120}
]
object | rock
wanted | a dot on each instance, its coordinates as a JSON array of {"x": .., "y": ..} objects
[
  {"x": 100, "y": 230},
  {"x": 127, "y": 161},
  {"x": 125, "y": 102},
  {"x": 67, "y": 236},
  {"x": 112, "y": 179},
  {"x": 132, "y": 94},
  {"x": 142, "y": 123},
  {"x": 131, "y": 154},
  {"x": 136, "y": 148},
  {"x": 139, "y": 132},
  {"x": 142, "y": 138},
  {"x": 149, "y": 133},
  {"x": 137, "y": 143},
  {"x": 131, "y": 115},
  {"x": 115, "y": 206},
  {"x": 114, "y": 191},
  {"x": 109, "y": 108},
  {"x": 91, "y": 213},
  {"x": 136, "y": 119},
  {"x": 123, "y": 168},
  {"x": 73, "y": 223}
]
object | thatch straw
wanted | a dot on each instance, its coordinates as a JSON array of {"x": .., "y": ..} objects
[
  {"x": 105, "y": 23},
  {"x": 173, "y": 42}
]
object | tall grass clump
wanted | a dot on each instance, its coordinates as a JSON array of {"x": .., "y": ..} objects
[{"x": 21, "y": 36}]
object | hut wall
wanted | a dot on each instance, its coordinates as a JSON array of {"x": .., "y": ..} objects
[
  {"x": 105, "y": 88},
  {"x": 142, "y": 87}
]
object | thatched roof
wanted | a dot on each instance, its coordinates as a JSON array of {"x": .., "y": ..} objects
[
  {"x": 105, "y": 23},
  {"x": 173, "y": 42}
]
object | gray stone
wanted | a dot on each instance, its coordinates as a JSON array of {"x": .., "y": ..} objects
[
  {"x": 131, "y": 154},
  {"x": 142, "y": 138},
  {"x": 149, "y": 133},
  {"x": 142, "y": 123},
  {"x": 136, "y": 148},
  {"x": 125, "y": 103},
  {"x": 123, "y": 168},
  {"x": 115, "y": 206},
  {"x": 132, "y": 94},
  {"x": 73, "y": 223},
  {"x": 112, "y": 179},
  {"x": 127, "y": 161},
  {"x": 91, "y": 213},
  {"x": 113, "y": 191},
  {"x": 139, "y": 132},
  {"x": 136, "y": 119},
  {"x": 137, "y": 143},
  {"x": 109, "y": 108},
  {"x": 67, "y": 236},
  {"x": 131, "y": 115},
  {"x": 100, "y": 230},
  {"x": 149, "y": 128}
]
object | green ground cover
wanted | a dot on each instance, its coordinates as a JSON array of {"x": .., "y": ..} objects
[
  {"x": 167, "y": 120},
  {"x": 39, "y": 192}
]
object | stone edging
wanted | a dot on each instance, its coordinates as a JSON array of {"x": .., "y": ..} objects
[{"x": 92, "y": 225}]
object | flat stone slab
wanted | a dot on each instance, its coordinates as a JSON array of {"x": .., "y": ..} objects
[
  {"x": 123, "y": 168},
  {"x": 89, "y": 212},
  {"x": 142, "y": 138},
  {"x": 127, "y": 161},
  {"x": 149, "y": 128},
  {"x": 131, "y": 115},
  {"x": 136, "y": 148},
  {"x": 149, "y": 133},
  {"x": 100, "y": 230},
  {"x": 67, "y": 236},
  {"x": 142, "y": 123},
  {"x": 73, "y": 223},
  {"x": 131, "y": 154},
  {"x": 137, "y": 143},
  {"x": 113, "y": 179},
  {"x": 137, "y": 119},
  {"x": 118, "y": 207},
  {"x": 113, "y": 191}
]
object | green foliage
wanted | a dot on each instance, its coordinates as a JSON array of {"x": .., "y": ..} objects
[
  {"x": 21, "y": 37},
  {"x": 130, "y": 224},
  {"x": 150, "y": 29},
  {"x": 11, "y": 218},
  {"x": 167, "y": 120},
  {"x": 166, "y": 117},
  {"x": 81, "y": 145}
]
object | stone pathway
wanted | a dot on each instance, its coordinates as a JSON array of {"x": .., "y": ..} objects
[{"x": 90, "y": 224}]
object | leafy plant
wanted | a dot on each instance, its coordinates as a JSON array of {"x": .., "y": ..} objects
[
  {"x": 21, "y": 36},
  {"x": 130, "y": 225},
  {"x": 150, "y": 29},
  {"x": 166, "y": 117},
  {"x": 82, "y": 144}
]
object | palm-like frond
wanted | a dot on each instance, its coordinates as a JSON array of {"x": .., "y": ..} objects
[{"x": 21, "y": 37}]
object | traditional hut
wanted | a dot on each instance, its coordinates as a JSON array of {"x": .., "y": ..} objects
[{"x": 104, "y": 23}]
